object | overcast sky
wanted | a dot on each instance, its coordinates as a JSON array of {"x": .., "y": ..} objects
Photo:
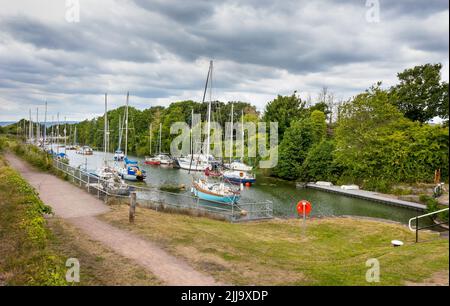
[{"x": 159, "y": 50}]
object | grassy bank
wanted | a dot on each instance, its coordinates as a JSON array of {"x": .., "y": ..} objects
[
  {"x": 26, "y": 256},
  {"x": 34, "y": 249},
  {"x": 331, "y": 252}
]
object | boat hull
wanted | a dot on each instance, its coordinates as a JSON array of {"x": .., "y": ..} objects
[
  {"x": 153, "y": 163},
  {"x": 213, "y": 198},
  {"x": 132, "y": 178},
  {"x": 239, "y": 180},
  {"x": 192, "y": 167}
]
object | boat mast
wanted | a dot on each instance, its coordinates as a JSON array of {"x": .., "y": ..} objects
[
  {"x": 37, "y": 125},
  {"x": 231, "y": 132},
  {"x": 126, "y": 126},
  {"x": 191, "y": 143},
  {"x": 208, "y": 125},
  {"x": 150, "y": 135},
  {"x": 30, "y": 129},
  {"x": 243, "y": 134},
  {"x": 120, "y": 133},
  {"x": 65, "y": 134},
  {"x": 57, "y": 133},
  {"x": 53, "y": 133},
  {"x": 105, "y": 141},
  {"x": 209, "y": 109},
  {"x": 160, "y": 133},
  {"x": 45, "y": 123}
]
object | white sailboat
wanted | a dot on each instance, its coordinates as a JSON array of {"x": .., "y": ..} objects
[
  {"x": 239, "y": 165},
  {"x": 105, "y": 171},
  {"x": 239, "y": 172},
  {"x": 129, "y": 169},
  {"x": 195, "y": 161},
  {"x": 160, "y": 158}
]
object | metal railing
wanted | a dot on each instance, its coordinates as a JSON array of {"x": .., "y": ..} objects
[
  {"x": 85, "y": 180},
  {"x": 164, "y": 200},
  {"x": 416, "y": 219}
]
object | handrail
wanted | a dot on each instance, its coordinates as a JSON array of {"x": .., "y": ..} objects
[
  {"x": 422, "y": 216},
  {"x": 255, "y": 207}
]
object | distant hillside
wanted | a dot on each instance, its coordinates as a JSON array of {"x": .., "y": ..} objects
[{"x": 6, "y": 123}]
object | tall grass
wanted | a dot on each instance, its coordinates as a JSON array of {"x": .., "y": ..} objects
[
  {"x": 33, "y": 155},
  {"x": 26, "y": 257}
]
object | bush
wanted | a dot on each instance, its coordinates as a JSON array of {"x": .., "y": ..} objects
[
  {"x": 375, "y": 184},
  {"x": 319, "y": 165},
  {"x": 34, "y": 156}
]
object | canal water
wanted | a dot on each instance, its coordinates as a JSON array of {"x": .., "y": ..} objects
[{"x": 283, "y": 194}]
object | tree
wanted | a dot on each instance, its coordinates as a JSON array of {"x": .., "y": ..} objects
[
  {"x": 284, "y": 110},
  {"x": 363, "y": 121},
  {"x": 299, "y": 138},
  {"x": 326, "y": 103},
  {"x": 319, "y": 165},
  {"x": 421, "y": 96},
  {"x": 376, "y": 146}
]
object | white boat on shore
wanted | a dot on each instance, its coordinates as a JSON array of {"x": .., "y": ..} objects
[
  {"x": 195, "y": 162},
  {"x": 85, "y": 150},
  {"x": 238, "y": 166}
]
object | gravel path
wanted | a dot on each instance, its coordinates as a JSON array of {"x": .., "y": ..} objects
[{"x": 80, "y": 208}]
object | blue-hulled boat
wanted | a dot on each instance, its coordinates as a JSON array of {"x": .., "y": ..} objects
[{"x": 215, "y": 192}]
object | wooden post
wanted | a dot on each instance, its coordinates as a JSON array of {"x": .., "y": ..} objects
[{"x": 132, "y": 207}]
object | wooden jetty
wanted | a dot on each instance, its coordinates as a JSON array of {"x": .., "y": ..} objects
[{"x": 368, "y": 195}]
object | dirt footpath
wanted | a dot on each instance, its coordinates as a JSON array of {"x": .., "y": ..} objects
[{"x": 80, "y": 208}]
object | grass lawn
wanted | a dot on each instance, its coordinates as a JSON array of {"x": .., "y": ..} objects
[{"x": 332, "y": 251}]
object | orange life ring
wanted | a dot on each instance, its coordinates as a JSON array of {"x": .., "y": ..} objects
[{"x": 303, "y": 207}]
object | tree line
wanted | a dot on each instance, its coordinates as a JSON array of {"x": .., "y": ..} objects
[{"x": 375, "y": 139}]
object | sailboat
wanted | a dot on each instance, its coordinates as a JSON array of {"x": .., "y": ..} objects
[
  {"x": 105, "y": 171},
  {"x": 195, "y": 161},
  {"x": 110, "y": 181},
  {"x": 202, "y": 188},
  {"x": 161, "y": 158},
  {"x": 73, "y": 146},
  {"x": 151, "y": 160},
  {"x": 130, "y": 170},
  {"x": 239, "y": 165},
  {"x": 238, "y": 173}
]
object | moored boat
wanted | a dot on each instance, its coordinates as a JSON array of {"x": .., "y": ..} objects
[
  {"x": 131, "y": 171},
  {"x": 215, "y": 192},
  {"x": 154, "y": 161},
  {"x": 239, "y": 177},
  {"x": 85, "y": 150},
  {"x": 119, "y": 155},
  {"x": 238, "y": 166}
]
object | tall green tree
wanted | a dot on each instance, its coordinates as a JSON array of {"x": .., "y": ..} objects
[
  {"x": 421, "y": 95},
  {"x": 284, "y": 110},
  {"x": 299, "y": 138},
  {"x": 319, "y": 164},
  {"x": 376, "y": 146}
]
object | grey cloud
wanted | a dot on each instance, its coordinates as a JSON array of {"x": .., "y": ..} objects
[
  {"x": 154, "y": 49},
  {"x": 182, "y": 12}
]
